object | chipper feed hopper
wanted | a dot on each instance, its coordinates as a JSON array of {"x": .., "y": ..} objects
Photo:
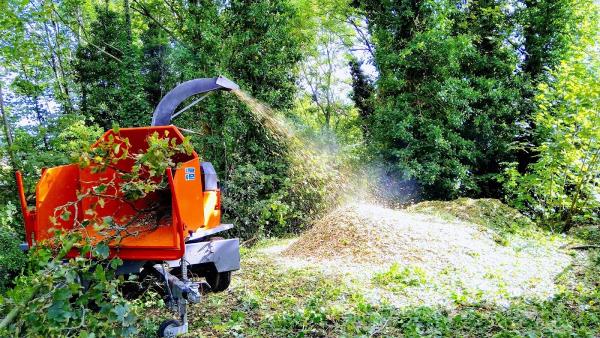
[{"x": 174, "y": 242}]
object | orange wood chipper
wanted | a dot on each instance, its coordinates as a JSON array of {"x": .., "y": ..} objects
[{"x": 178, "y": 242}]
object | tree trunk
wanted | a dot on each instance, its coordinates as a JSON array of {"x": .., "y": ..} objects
[
  {"x": 127, "y": 21},
  {"x": 7, "y": 134},
  {"x": 61, "y": 68},
  {"x": 41, "y": 120}
]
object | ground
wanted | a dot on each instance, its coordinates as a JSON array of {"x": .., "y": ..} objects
[{"x": 473, "y": 278}]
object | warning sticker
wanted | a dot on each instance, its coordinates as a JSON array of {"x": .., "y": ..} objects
[{"x": 190, "y": 174}]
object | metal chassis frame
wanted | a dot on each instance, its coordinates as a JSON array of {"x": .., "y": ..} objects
[
  {"x": 180, "y": 293},
  {"x": 223, "y": 253}
]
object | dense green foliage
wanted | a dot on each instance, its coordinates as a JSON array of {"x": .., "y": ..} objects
[
  {"x": 447, "y": 88},
  {"x": 110, "y": 80},
  {"x": 12, "y": 258},
  {"x": 561, "y": 188},
  {"x": 452, "y": 93},
  {"x": 53, "y": 301},
  {"x": 260, "y": 52}
]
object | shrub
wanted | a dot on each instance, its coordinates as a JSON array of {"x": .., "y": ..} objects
[
  {"x": 12, "y": 259},
  {"x": 280, "y": 201},
  {"x": 53, "y": 301}
]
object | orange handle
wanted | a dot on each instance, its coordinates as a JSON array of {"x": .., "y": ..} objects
[
  {"x": 176, "y": 214},
  {"x": 26, "y": 214}
]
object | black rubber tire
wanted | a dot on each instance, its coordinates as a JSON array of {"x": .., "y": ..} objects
[
  {"x": 218, "y": 281},
  {"x": 148, "y": 279},
  {"x": 165, "y": 324}
]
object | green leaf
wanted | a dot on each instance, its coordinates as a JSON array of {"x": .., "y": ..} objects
[
  {"x": 65, "y": 215},
  {"x": 102, "y": 251},
  {"x": 59, "y": 311},
  {"x": 115, "y": 263},
  {"x": 100, "y": 189},
  {"x": 121, "y": 311},
  {"x": 108, "y": 220},
  {"x": 99, "y": 273},
  {"x": 61, "y": 294}
]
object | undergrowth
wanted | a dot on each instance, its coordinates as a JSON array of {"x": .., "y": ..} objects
[{"x": 12, "y": 259}]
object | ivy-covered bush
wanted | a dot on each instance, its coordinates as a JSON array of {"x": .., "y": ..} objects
[
  {"x": 52, "y": 301},
  {"x": 12, "y": 258}
]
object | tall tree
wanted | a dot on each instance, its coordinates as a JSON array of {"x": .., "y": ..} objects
[
  {"x": 494, "y": 76},
  {"x": 154, "y": 63},
  {"x": 258, "y": 45},
  {"x": 362, "y": 94},
  {"x": 7, "y": 130},
  {"x": 561, "y": 188},
  {"x": 263, "y": 37},
  {"x": 109, "y": 75},
  {"x": 546, "y": 29},
  {"x": 446, "y": 104}
]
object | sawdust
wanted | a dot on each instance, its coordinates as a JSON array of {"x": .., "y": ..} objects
[
  {"x": 460, "y": 259},
  {"x": 317, "y": 168},
  {"x": 265, "y": 115},
  {"x": 373, "y": 234},
  {"x": 346, "y": 232}
]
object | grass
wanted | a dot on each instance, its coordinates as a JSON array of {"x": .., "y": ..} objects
[
  {"x": 266, "y": 301},
  {"x": 399, "y": 278},
  {"x": 589, "y": 234}
]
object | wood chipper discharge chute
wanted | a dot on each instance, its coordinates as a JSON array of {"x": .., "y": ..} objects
[{"x": 167, "y": 233}]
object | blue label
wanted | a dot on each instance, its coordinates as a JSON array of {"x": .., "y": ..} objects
[{"x": 190, "y": 174}]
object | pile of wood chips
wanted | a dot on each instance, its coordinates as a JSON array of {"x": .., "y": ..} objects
[{"x": 365, "y": 233}]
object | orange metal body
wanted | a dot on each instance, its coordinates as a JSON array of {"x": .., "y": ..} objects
[{"x": 188, "y": 207}]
